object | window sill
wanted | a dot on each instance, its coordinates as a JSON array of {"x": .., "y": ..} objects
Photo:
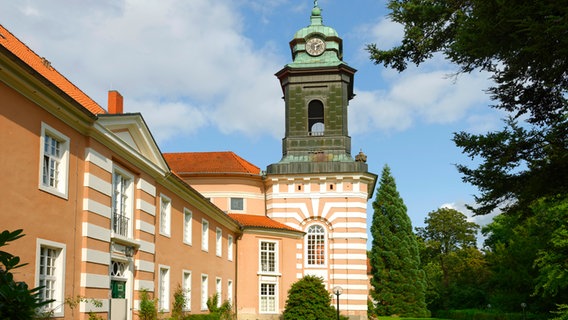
[{"x": 273, "y": 274}]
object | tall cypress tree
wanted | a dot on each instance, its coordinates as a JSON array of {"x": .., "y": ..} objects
[{"x": 398, "y": 283}]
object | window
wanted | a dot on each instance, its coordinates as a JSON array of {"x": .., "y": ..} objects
[
  {"x": 187, "y": 290},
  {"x": 187, "y": 229},
  {"x": 164, "y": 289},
  {"x": 54, "y": 162},
  {"x": 267, "y": 256},
  {"x": 230, "y": 291},
  {"x": 230, "y": 247},
  {"x": 219, "y": 291},
  {"x": 50, "y": 274},
  {"x": 316, "y": 245},
  {"x": 267, "y": 297},
  {"x": 204, "y": 289},
  {"x": 219, "y": 242},
  {"x": 165, "y": 215},
  {"x": 315, "y": 118},
  {"x": 204, "y": 235},
  {"x": 237, "y": 204},
  {"x": 121, "y": 203}
]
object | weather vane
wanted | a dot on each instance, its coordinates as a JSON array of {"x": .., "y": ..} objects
[{"x": 315, "y": 3}]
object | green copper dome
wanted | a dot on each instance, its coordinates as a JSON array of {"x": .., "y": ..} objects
[{"x": 333, "y": 53}]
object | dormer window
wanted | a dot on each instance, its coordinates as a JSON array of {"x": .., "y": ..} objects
[{"x": 316, "y": 124}]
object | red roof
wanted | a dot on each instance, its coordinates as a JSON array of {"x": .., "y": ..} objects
[
  {"x": 43, "y": 67},
  {"x": 209, "y": 162},
  {"x": 249, "y": 220}
]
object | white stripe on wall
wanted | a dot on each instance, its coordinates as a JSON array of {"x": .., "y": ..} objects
[
  {"x": 143, "y": 265},
  {"x": 147, "y": 246},
  {"x": 98, "y": 159},
  {"x": 146, "y": 187},
  {"x": 95, "y": 256},
  {"x": 144, "y": 284},
  {"x": 89, "y": 280},
  {"x": 97, "y": 208},
  {"x": 146, "y": 207},
  {"x": 96, "y": 232},
  {"x": 348, "y": 235},
  {"x": 350, "y": 246},
  {"x": 145, "y": 226},
  {"x": 98, "y": 184},
  {"x": 349, "y": 256}
]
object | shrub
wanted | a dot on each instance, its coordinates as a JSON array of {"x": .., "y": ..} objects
[
  {"x": 148, "y": 309},
  {"x": 309, "y": 300},
  {"x": 17, "y": 301}
]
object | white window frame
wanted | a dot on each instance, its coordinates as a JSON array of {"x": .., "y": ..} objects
[
  {"x": 58, "y": 277},
  {"x": 230, "y": 291},
  {"x": 204, "y": 291},
  {"x": 204, "y": 235},
  {"x": 263, "y": 309},
  {"x": 186, "y": 287},
  {"x": 230, "y": 247},
  {"x": 164, "y": 288},
  {"x": 61, "y": 175},
  {"x": 165, "y": 215},
  {"x": 266, "y": 269},
  {"x": 126, "y": 195},
  {"x": 231, "y": 204},
  {"x": 219, "y": 291},
  {"x": 218, "y": 242},
  {"x": 310, "y": 254},
  {"x": 187, "y": 226}
]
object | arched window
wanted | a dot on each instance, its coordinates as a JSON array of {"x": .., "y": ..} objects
[
  {"x": 316, "y": 125},
  {"x": 316, "y": 245}
]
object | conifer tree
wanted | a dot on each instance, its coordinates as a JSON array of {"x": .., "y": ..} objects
[{"x": 398, "y": 284}]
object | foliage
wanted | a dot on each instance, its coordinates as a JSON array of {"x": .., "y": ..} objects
[
  {"x": 148, "y": 306},
  {"x": 562, "y": 312},
  {"x": 17, "y": 301},
  {"x": 178, "y": 304},
  {"x": 224, "y": 311},
  {"x": 456, "y": 270},
  {"x": 398, "y": 283},
  {"x": 73, "y": 302},
  {"x": 309, "y": 300}
]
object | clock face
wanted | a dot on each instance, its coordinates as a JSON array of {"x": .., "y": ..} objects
[{"x": 315, "y": 46}]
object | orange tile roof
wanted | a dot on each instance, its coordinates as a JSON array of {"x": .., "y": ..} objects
[
  {"x": 264, "y": 222},
  {"x": 43, "y": 67},
  {"x": 210, "y": 162}
]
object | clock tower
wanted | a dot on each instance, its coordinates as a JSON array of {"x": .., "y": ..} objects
[{"x": 318, "y": 187}]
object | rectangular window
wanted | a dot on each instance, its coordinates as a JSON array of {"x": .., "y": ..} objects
[
  {"x": 230, "y": 247},
  {"x": 267, "y": 297},
  {"x": 187, "y": 290},
  {"x": 237, "y": 204},
  {"x": 54, "y": 161},
  {"x": 165, "y": 215},
  {"x": 219, "y": 242},
  {"x": 121, "y": 203},
  {"x": 50, "y": 274},
  {"x": 187, "y": 228},
  {"x": 219, "y": 291},
  {"x": 204, "y": 235},
  {"x": 164, "y": 289},
  {"x": 267, "y": 256},
  {"x": 204, "y": 291},
  {"x": 230, "y": 291}
]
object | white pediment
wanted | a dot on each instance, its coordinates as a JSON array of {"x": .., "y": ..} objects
[{"x": 131, "y": 131}]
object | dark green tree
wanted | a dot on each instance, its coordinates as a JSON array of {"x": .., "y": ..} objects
[
  {"x": 17, "y": 300},
  {"x": 398, "y": 283},
  {"x": 455, "y": 267},
  {"x": 522, "y": 44},
  {"x": 309, "y": 300}
]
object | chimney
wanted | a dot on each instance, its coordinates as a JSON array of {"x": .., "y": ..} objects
[{"x": 114, "y": 102}]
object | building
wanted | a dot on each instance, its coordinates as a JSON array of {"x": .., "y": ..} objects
[{"x": 108, "y": 215}]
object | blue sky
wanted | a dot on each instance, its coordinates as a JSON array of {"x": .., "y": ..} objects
[{"x": 201, "y": 72}]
